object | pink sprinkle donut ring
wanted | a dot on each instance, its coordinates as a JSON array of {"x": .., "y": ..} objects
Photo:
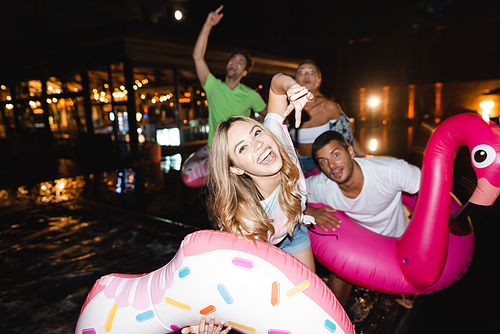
[{"x": 253, "y": 287}]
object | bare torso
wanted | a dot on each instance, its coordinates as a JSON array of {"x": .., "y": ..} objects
[{"x": 320, "y": 110}]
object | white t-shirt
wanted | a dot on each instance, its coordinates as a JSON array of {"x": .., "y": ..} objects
[{"x": 378, "y": 207}]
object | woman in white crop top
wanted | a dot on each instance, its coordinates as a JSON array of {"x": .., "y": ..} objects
[{"x": 324, "y": 114}]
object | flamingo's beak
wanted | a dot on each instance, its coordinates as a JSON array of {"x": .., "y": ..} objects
[{"x": 485, "y": 193}]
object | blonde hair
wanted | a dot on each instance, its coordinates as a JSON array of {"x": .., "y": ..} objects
[{"x": 233, "y": 198}]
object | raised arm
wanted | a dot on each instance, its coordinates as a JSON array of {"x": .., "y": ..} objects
[
  {"x": 200, "y": 47},
  {"x": 283, "y": 90}
]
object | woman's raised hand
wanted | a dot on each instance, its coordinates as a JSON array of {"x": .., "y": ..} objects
[{"x": 298, "y": 96}]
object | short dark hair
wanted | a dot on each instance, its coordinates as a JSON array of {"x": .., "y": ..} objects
[
  {"x": 323, "y": 139},
  {"x": 246, "y": 54}
]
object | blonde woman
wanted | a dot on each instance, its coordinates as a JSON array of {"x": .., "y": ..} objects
[{"x": 256, "y": 187}]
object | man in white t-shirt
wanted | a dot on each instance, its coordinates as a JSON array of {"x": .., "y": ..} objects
[{"x": 368, "y": 190}]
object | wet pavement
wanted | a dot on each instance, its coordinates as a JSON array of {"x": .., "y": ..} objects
[{"x": 65, "y": 226}]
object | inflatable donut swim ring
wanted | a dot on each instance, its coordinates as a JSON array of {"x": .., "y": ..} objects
[
  {"x": 252, "y": 287},
  {"x": 194, "y": 169},
  {"x": 436, "y": 248}
]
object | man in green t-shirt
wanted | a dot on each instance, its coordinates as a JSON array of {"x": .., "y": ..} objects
[
  {"x": 228, "y": 98},
  {"x": 225, "y": 98}
]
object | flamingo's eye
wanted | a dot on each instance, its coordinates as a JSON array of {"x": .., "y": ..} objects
[{"x": 483, "y": 155}]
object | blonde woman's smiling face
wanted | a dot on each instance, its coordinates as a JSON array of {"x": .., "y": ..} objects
[{"x": 253, "y": 150}]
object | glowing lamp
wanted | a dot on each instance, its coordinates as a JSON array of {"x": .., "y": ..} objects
[
  {"x": 373, "y": 102},
  {"x": 486, "y": 105},
  {"x": 178, "y": 15}
]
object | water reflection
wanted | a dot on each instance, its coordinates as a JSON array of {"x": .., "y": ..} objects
[
  {"x": 171, "y": 162},
  {"x": 52, "y": 255},
  {"x": 393, "y": 138},
  {"x": 120, "y": 181},
  {"x": 126, "y": 180},
  {"x": 57, "y": 237},
  {"x": 56, "y": 191}
]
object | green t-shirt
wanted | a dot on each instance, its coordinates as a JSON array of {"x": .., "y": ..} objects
[{"x": 224, "y": 102}]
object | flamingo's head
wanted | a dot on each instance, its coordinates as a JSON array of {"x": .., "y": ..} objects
[{"x": 485, "y": 159}]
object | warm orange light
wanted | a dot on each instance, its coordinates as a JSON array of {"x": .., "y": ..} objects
[
  {"x": 120, "y": 96},
  {"x": 411, "y": 101},
  {"x": 362, "y": 105},
  {"x": 373, "y": 102},
  {"x": 486, "y": 105},
  {"x": 438, "y": 89},
  {"x": 385, "y": 101}
]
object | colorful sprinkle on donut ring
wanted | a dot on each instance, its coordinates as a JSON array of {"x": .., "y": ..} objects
[{"x": 252, "y": 287}]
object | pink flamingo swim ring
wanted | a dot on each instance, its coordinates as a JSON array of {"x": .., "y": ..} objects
[
  {"x": 435, "y": 250},
  {"x": 194, "y": 169},
  {"x": 252, "y": 287}
]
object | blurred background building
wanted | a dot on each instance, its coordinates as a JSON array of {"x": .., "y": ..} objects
[
  {"x": 107, "y": 90},
  {"x": 109, "y": 80}
]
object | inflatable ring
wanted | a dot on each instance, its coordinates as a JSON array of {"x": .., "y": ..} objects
[
  {"x": 436, "y": 249},
  {"x": 194, "y": 169},
  {"x": 253, "y": 287}
]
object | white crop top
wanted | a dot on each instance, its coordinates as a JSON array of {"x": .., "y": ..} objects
[{"x": 308, "y": 135}]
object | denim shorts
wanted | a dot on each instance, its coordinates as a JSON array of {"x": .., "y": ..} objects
[
  {"x": 298, "y": 242},
  {"x": 306, "y": 162}
]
